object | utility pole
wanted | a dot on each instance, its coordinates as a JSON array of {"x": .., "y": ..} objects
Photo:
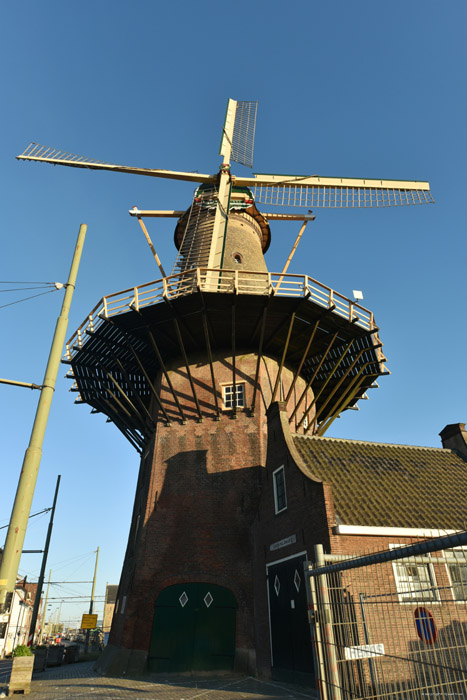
[
  {"x": 45, "y": 608},
  {"x": 91, "y": 604},
  {"x": 32, "y": 458},
  {"x": 40, "y": 583},
  {"x": 59, "y": 616}
]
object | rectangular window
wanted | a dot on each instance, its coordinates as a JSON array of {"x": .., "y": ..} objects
[
  {"x": 414, "y": 582},
  {"x": 280, "y": 496},
  {"x": 2, "y": 630},
  {"x": 457, "y": 570},
  {"x": 228, "y": 395}
]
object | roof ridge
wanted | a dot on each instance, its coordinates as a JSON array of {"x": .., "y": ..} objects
[{"x": 369, "y": 442}]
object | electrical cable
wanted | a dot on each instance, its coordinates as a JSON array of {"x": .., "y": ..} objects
[
  {"x": 29, "y": 282},
  {"x": 27, "y": 298},
  {"x": 19, "y": 289},
  {"x": 40, "y": 512}
]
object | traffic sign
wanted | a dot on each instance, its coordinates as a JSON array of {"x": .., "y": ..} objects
[
  {"x": 88, "y": 622},
  {"x": 426, "y": 628}
]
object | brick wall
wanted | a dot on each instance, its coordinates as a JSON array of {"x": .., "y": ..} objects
[
  {"x": 197, "y": 496},
  {"x": 308, "y": 520}
]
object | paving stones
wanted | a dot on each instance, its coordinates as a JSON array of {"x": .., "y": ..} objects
[{"x": 79, "y": 681}]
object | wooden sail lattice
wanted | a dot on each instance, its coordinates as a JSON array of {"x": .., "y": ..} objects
[
  {"x": 243, "y": 138},
  {"x": 339, "y": 197}
]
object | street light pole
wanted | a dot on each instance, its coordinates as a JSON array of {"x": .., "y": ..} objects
[{"x": 27, "y": 481}]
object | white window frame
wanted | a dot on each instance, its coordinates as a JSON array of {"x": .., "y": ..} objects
[
  {"x": 405, "y": 592},
  {"x": 227, "y": 396},
  {"x": 461, "y": 561},
  {"x": 274, "y": 481}
]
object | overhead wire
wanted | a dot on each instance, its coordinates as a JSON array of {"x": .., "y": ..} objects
[
  {"x": 40, "y": 512},
  {"x": 33, "y": 296},
  {"x": 19, "y": 289},
  {"x": 22, "y": 282}
]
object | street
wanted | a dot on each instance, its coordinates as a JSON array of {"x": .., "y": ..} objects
[{"x": 80, "y": 681}]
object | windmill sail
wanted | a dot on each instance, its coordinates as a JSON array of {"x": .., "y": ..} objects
[
  {"x": 334, "y": 192},
  {"x": 46, "y": 154},
  {"x": 243, "y": 139}
]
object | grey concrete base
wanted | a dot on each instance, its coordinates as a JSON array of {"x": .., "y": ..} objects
[{"x": 118, "y": 661}]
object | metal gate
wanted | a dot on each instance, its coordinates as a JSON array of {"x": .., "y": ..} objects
[{"x": 392, "y": 624}]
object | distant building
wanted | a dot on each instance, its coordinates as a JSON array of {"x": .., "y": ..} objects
[{"x": 15, "y": 619}]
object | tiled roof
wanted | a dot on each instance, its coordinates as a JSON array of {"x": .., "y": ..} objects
[{"x": 390, "y": 485}]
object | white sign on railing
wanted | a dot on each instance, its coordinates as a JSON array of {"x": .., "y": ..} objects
[{"x": 364, "y": 652}]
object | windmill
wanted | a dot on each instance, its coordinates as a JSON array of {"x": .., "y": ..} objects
[
  {"x": 187, "y": 367},
  {"x": 223, "y": 191}
]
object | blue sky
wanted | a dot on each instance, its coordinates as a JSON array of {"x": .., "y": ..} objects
[{"x": 360, "y": 89}]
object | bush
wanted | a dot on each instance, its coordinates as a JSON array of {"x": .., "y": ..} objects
[{"x": 22, "y": 650}]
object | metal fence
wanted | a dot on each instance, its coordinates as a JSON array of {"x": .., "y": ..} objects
[{"x": 392, "y": 624}]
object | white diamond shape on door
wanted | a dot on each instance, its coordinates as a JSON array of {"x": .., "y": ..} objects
[
  {"x": 208, "y": 599},
  {"x": 297, "y": 580},
  {"x": 277, "y": 585},
  {"x": 183, "y": 599}
]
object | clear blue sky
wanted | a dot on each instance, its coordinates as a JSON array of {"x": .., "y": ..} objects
[{"x": 358, "y": 88}]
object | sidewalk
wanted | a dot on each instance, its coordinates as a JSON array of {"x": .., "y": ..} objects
[{"x": 80, "y": 681}]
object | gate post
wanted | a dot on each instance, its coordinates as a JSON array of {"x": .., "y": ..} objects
[
  {"x": 333, "y": 679},
  {"x": 315, "y": 632}
]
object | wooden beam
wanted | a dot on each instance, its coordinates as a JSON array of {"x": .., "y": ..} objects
[
  {"x": 165, "y": 372},
  {"x": 234, "y": 397},
  {"x": 187, "y": 367},
  {"x": 309, "y": 383},
  {"x": 302, "y": 361},
  {"x": 258, "y": 361},
  {"x": 151, "y": 386},
  {"x": 291, "y": 254},
  {"x": 135, "y": 391},
  {"x": 124, "y": 396},
  {"x": 331, "y": 373},
  {"x": 284, "y": 353},
  {"x": 153, "y": 250},
  {"x": 211, "y": 366},
  {"x": 341, "y": 381},
  {"x": 128, "y": 431},
  {"x": 343, "y": 405}
]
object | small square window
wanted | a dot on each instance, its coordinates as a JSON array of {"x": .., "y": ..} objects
[
  {"x": 228, "y": 395},
  {"x": 280, "y": 496}
]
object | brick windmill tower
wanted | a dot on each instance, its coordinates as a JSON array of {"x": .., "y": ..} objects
[{"x": 187, "y": 367}]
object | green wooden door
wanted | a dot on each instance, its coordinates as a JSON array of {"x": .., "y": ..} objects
[{"x": 193, "y": 630}]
